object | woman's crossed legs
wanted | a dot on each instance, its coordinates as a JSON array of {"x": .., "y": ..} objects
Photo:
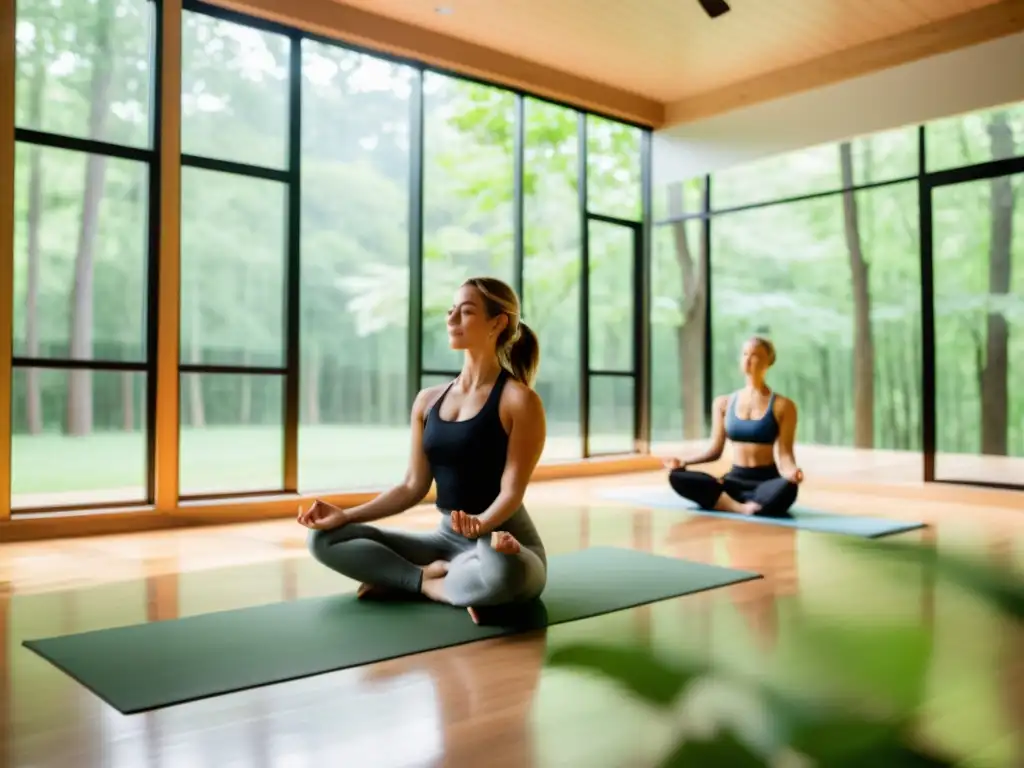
[
  {"x": 442, "y": 565},
  {"x": 771, "y": 496}
]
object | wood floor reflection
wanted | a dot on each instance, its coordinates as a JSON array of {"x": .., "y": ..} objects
[{"x": 495, "y": 703}]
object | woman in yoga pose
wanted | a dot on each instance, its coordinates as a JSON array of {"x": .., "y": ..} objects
[
  {"x": 755, "y": 419},
  {"x": 479, "y": 438}
]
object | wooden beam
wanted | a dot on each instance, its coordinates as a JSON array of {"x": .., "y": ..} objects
[
  {"x": 351, "y": 25},
  {"x": 169, "y": 268},
  {"x": 978, "y": 26},
  {"x": 8, "y": 49},
  {"x": 6, "y": 646}
]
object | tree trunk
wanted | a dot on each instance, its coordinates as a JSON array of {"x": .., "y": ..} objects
[
  {"x": 994, "y": 379},
  {"x": 127, "y": 380},
  {"x": 79, "y": 411},
  {"x": 127, "y": 401},
  {"x": 887, "y": 379},
  {"x": 690, "y": 335},
  {"x": 863, "y": 344},
  {"x": 900, "y": 395},
  {"x": 245, "y": 401},
  {"x": 366, "y": 392},
  {"x": 312, "y": 382},
  {"x": 197, "y": 412},
  {"x": 33, "y": 389}
]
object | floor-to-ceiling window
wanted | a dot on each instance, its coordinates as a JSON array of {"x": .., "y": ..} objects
[
  {"x": 331, "y": 202},
  {"x": 824, "y": 250},
  {"x": 235, "y": 196},
  {"x": 468, "y": 193},
  {"x": 678, "y": 314},
  {"x": 82, "y": 344},
  {"x": 613, "y": 256},
  {"x": 356, "y": 155},
  {"x": 833, "y": 281},
  {"x": 976, "y": 199},
  {"x": 552, "y": 265}
]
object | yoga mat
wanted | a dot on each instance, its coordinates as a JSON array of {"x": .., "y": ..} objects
[
  {"x": 148, "y": 666},
  {"x": 802, "y": 518}
]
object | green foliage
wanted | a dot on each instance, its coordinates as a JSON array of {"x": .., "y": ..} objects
[
  {"x": 839, "y": 694},
  {"x": 851, "y": 742},
  {"x": 726, "y": 750},
  {"x": 635, "y": 669},
  {"x": 1002, "y": 589}
]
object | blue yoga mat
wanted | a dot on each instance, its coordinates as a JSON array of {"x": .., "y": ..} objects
[{"x": 802, "y": 518}]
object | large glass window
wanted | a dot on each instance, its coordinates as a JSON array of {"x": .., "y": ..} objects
[
  {"x": 234, "y": 257},
  {"x": 979, "y": 137},
  {"x": 234, "y": 92},
  {"x": 552, "y": 266},
  {"x": 679, "y": 263},
  {"x": 614, "y": 201},
  {"x": 79, "y": 388},
  {"x": 834, "y": 278},
  {"x": 613, "y": 169},
  {"x": 87, "y": 74},
  {"x": 978, "y": 239},
  {"x": 91, "y": 447},
  {"x": 297, "y": 228},
  {"x": 355, "y": 269},
  {"x": 613, "y": 256},
  {"x": 468, "y": 195},
  {"x": 81, "y": 256},
  {"x": 232, "y": 433},
  {"x": 873, "y": 159},
  {"x": 233, "y": 263},
  {"x": 834, "y": 282}
]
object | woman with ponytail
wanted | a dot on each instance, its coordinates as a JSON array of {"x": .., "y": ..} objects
[{"x": 478, "y": 438}]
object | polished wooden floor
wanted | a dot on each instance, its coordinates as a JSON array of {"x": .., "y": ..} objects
[{"x": 494, "y": 703}]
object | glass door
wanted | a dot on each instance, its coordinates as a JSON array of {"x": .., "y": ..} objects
[
  {"x": 611, "y": 334},
  {"x": 977, "y": 251}
]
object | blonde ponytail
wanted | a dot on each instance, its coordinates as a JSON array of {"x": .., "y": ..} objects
[{"x": 521, "y": 355}]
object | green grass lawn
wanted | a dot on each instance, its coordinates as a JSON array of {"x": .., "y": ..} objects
[{"x": 111, "y": 466}]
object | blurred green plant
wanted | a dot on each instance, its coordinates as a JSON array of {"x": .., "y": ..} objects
[{"x": 839, "y": 695}]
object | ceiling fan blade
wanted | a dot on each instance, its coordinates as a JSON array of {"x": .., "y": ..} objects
[{"x": 714, "y": 8}]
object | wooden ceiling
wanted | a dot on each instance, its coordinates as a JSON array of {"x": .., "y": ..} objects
[
  {"x": 661, "y": 60},
  {"x": 667, "y": 50}
]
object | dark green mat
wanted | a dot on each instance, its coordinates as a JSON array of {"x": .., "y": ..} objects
[{"x": 148, "y": 666}]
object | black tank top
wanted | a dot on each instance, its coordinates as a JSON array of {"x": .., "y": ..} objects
[{"x": 467, "y": 457}]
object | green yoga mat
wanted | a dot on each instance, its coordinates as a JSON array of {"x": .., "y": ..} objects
[{"x": 148, "y": 666}]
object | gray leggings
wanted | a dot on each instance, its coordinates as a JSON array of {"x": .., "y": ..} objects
[{"x": 477, "y": 575}]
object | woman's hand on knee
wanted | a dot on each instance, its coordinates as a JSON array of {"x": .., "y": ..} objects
[
  {"x": 321, "y": 516},
  {"x": 466, "y": 525},
  {"x": 795, "y": 475}
]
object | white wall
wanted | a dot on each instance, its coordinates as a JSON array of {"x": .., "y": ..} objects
[{"x": 966, "y": 80}]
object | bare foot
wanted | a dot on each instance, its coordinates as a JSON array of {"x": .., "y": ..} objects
[
  {"x": 505, "y": 543},
  {"x": 727, "y": 503},
  {"x": 435, "y": 570},
  {"x": 433, "y": 589}
]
